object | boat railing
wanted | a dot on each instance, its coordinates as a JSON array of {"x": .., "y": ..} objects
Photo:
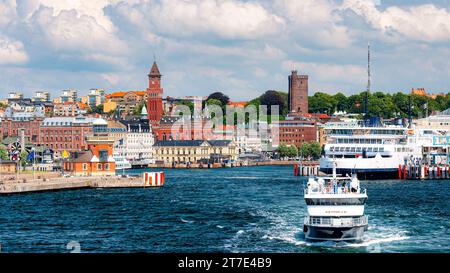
[
  {"x": 334, "y": 190},
  {"x": 336, "y": 222}
]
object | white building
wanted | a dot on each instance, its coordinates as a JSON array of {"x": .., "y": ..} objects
[{"x": 136, "y": 145}]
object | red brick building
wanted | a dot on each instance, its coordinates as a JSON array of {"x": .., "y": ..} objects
[
  {"x": 155, "y": 92},
  {"x": 66, "y": 133},
  {"x": 298, "y": 93},
  {"x": 11, "y": 126},
  {"x": 296, "y": 132}
]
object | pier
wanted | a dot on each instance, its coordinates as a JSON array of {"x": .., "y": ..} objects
[
  {"x": 70, "y": 183},
  {"x": 423, "y": 171}
]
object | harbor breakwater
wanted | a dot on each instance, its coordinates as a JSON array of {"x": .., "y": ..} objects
[{"x": 65, "y": 183}]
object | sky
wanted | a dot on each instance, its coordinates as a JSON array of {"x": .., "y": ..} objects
[{"x": 241, "y": 48}]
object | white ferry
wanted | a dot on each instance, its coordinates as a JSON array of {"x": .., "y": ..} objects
[
  {"x": 121, "y": 162},
  {"x": 366, "y": 150},
  {"x": 335, "y": 209}
]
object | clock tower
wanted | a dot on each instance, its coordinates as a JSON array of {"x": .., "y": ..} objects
[{"x": 155, "y": 92}]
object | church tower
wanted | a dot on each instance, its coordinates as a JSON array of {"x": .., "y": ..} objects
[{"x": 155, "y": 93}]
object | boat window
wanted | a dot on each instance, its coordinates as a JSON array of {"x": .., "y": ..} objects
[
  {"x": 369, "y": 149},
  {"x": 375, "y": 149},
  {"x": 342, "y": 149},
  {"x": 353, "y": 149},
  {"x": 358, "y": 149},
  {"x": 347, "y": 149},
  {"x": 381, "y": 149},
  {"x": 335, "y": 201}
]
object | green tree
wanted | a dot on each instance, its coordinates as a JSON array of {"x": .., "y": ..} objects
[
  {"x": 4, "y": 153},
  {"x": 137, "y": 111},
  {"x": 96, "y": 109},
  {"x": 23, "y": 158},
  {"x": 321, "y": 103},
  {"x": 292, "y": 151},
  {"x": 273, "y": 98},
  {"x": 224, "y": 99}
]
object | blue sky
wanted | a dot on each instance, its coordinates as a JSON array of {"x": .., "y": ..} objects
[{"x": 241, "y": 48}]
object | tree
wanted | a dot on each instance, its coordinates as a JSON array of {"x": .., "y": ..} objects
[
  {"x": 272, "y": 98},
  {"x": 321, "y": 103},
  {"x": 224, "y": 99},
  {"x": 287, "y": 151},
  {"x": 3, "y": 153},
  {"x": 187, "y": 103},
  {"x": 96, "y": 109},
  {"x": 137, "y": 111},
  {"x": 23, "y": 158}
]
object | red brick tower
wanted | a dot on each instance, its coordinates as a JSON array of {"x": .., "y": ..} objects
[
  {"x": 155, "y": 92},
  {"x": 298, "y": 94}
]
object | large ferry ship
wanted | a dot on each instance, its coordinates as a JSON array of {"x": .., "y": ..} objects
[
  {"x": 335, "y": 209},
  {"x": 370, "y": 150}
]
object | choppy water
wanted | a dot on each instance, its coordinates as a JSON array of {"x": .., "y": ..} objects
[{"x": 257, "y": 209}]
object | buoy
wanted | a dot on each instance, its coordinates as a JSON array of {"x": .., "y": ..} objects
[{"x": 153, "y": 179}]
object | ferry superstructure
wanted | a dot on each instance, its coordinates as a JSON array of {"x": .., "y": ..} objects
[
  {"x": 369, "y": 151},
  {"x": 335, "y": 209}
]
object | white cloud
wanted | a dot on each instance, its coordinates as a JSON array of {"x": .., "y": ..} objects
[
  {"x": 229, "y": 19},
  {"x": 7, "y": 11},
  {"x": 317, "y": 20},
  {"x": 70, "y": 31},
  {"x": 329, "y": 72},
  {"x": 426, "y": 23},
  {"x": 12, "y": 52}
]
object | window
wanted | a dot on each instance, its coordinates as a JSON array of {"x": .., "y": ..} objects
[
  {"x": 84, "y": 167},
  {"x": 107, "y": 167},
  {"x": 99, "y": 167}
]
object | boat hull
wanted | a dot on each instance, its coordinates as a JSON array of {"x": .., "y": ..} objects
[
  {"x": 315, "y": 233},
  {"x": 367, "y": 173}
]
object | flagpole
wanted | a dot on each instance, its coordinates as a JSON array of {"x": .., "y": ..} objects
[{"x": 34, "y": 163}]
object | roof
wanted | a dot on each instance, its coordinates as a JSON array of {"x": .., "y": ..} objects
[
  {"x": 123, "y": 93},
  {"x": 169, "y": 119},
  {"x": 154, "y": 71},
  {"x": 84, "y": 156},
  {"x": 191, "y": 143},
  {"x": 238, "y": 103}
]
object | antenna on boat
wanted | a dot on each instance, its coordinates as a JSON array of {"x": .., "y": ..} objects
[{"x": 366, "y": 98}]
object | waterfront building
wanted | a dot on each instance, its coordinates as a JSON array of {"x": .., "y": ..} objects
[
  {"x": 296, "y": 131},
  {"x": 195, "y": 151},
  {"x": 298, "y": 93},
  {"x": 7, "y": 167},
  {"x": 66, "y": 133},
  {"x": 13, "y": 122},
  {"x": 134, "y": 141},
  {"x": 97, "y": 159}
]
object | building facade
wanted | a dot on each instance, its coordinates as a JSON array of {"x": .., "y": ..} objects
[
  {"x": 136, "y": 143},
  {"x": 155, "y": 93},
  {"x": 66, "y": 133},
  {"x": 296, "y": 132},
  {"x": 97, "y": 159},
  {"x": 298, "y": 93},
  {"x": 195, "y": 151},
  {"x": 30, "y": 122}
]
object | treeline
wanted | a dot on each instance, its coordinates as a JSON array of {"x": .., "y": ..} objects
[{"x": 380, "y": 104}]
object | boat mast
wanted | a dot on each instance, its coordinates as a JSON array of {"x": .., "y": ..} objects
[{"x": 366, "y": 98}]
